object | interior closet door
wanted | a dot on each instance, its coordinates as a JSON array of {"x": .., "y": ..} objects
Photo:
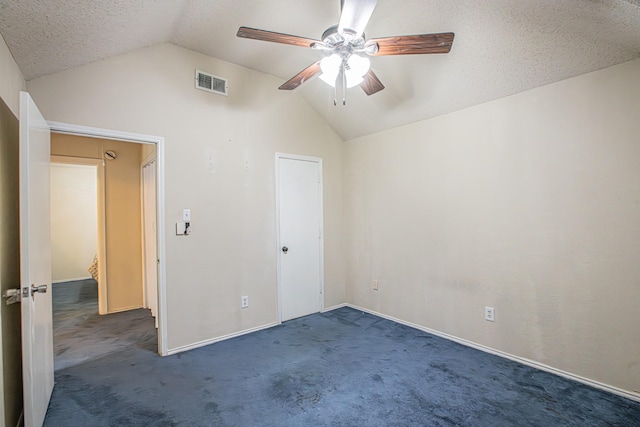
[{"x": 299, "y": 187}]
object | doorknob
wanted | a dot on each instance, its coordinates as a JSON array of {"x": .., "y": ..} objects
[
  {"x": 42, "y": 289},
  {"x": 285, "y": 249}
]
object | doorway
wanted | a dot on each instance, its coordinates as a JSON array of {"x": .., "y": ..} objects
[
  {"x": 150, "y": 150},
  {"x": 300, "y": 235},
  {"x": 111, "y": 249}
]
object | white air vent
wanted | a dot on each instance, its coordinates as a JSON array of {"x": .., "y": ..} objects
[{"x": 211, "y": 83}]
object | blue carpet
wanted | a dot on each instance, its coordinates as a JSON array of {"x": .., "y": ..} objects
[{"x": 342, "y": 368}]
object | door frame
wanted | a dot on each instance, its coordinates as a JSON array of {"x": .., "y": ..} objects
[
  {"x": 317, "y": 160},
  {"x": 151, "y": 158},
  {"x": 92, "y": 132},
  {"x": 102, "y": 247}
]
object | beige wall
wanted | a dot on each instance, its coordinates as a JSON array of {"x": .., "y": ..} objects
[
  {"x": 232, "y": 251},
  {"x": 74, "y": 220},
  {"x": 122, "y": 214},
  {"x": 10, "y": 358},
  {"x": 529, "y": 204},
  {"x": 11, "y": 82}
]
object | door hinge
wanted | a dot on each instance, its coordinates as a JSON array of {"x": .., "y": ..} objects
[{"x": 13, "y": 296}]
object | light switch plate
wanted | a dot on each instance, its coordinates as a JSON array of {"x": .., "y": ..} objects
[{"x": 180, "y": 228}]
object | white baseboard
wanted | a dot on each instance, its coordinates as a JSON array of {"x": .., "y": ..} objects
[
  {"x": 120, "y": 310},
  {"x": 71, "y": 280},
  {"x": 335, "y": 307},
  {"x": 606, "y": 387},
  {"x": 220, "y": 338},
  {"x": 235, "y": 334}
]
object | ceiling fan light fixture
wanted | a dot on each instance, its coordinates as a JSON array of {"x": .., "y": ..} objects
[
  {"x": 357, "y": 67},
  {"x": 329, "y": 78},
  {"x": 358, "y": 64},
  {"x": 330, "y": 66},
  {"x": 344, "y": 43},
  {"x": 353, "y": 80}
]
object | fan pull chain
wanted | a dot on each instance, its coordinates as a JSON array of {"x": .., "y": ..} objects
[
  {"x": 343, "y": 80},
  {"x": 344, "y": 86}
]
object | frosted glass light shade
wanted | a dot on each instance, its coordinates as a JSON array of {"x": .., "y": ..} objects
[
  {"x": 330, "y": 66},
  {"x": 358, "y": 64},
  {"x": 353, "y": 80},
  {"x": 357, "y": 67}
]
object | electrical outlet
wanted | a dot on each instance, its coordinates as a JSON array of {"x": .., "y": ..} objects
[
  {"x": 244, "y": 301},
  {"x": 375, "y": 285},
  {"x": 489, "y": 314}
]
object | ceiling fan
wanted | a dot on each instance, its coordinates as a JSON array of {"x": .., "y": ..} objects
[{"x": 344, "y": 45}]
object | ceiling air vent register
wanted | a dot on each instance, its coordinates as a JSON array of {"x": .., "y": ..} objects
[{"x": 211, "y": 83}]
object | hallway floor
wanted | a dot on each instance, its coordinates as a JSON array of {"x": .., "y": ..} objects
[{"x": 80, "y": 334}]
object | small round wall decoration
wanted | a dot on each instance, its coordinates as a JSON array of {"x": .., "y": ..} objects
[{"x": 110, "y": 155}]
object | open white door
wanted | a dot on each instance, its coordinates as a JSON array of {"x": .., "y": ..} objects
[{"x": 35, "y": 262}]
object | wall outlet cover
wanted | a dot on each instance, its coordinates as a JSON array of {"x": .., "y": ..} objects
[{"x": 489, "y": 314}]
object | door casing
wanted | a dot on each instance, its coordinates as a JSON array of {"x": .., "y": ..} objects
[{"x": 91, "y": 132}]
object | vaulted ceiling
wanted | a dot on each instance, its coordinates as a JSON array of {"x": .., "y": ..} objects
[{"x": 501, "y": 47}]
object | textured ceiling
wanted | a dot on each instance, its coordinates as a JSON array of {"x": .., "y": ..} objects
[{"x": 501, "y": 47}]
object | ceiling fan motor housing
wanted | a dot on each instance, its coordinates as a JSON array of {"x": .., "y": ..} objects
[{"x": 338, "y": 43}]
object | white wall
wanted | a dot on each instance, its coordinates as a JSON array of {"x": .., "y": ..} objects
[
  {"x": 74, "y": 220},
  {"x": 529, "y": 204},
  {"x": 232, "y": 250},
  {"x": 12, "y": 81}
]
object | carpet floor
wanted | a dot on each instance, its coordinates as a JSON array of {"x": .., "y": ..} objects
[{"x": 341, "y": 368}]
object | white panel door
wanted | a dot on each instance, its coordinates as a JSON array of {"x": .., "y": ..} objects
[
  {"x": 300, "y": 236},
  {"x": 35, "y": 262}
]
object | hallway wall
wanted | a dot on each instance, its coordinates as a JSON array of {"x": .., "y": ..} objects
[{"x": 74, "y": 221}]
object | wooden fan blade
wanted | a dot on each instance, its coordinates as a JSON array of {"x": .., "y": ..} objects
[
  {"x": 270, "y": 36},
  {"x": 371, "y": 83},
  {"x": 302, "y": 77},
  {"x": 412, "y": 45}
]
